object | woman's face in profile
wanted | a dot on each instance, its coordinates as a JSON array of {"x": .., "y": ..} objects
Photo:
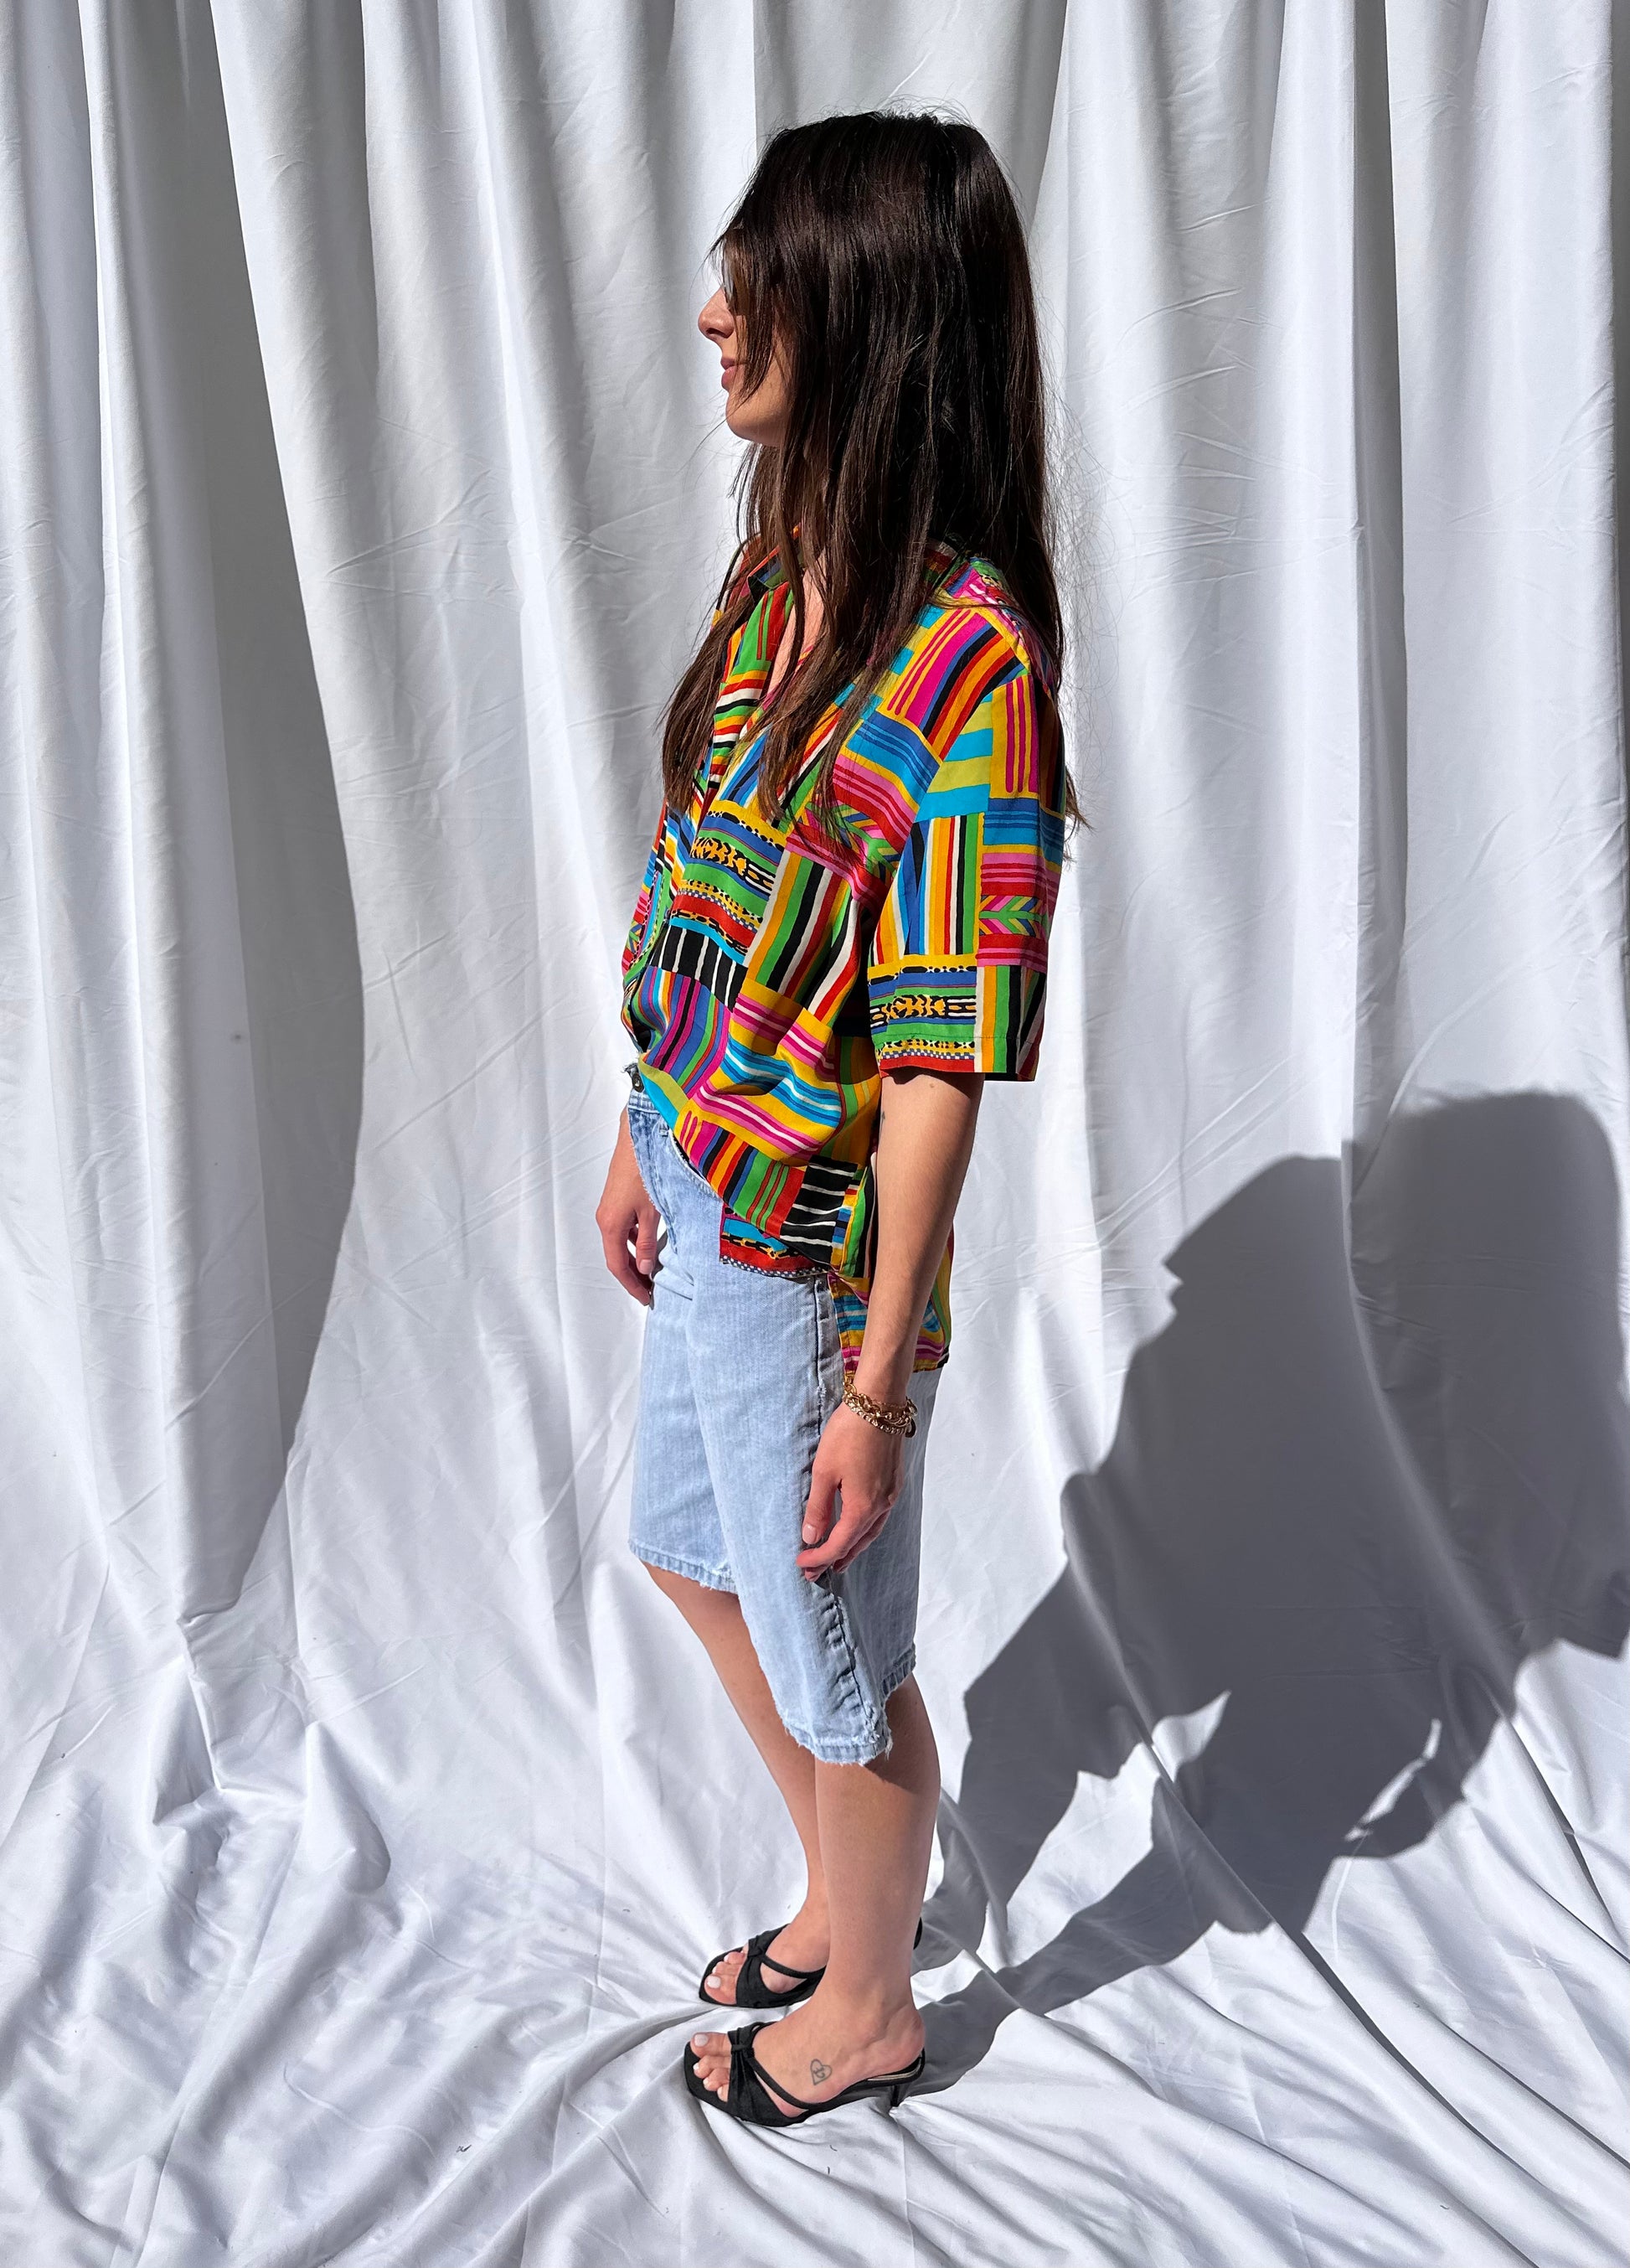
[{"x": 760, "y": 415}]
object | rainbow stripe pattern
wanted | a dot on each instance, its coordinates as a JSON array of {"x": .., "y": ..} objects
[{"x": 771, "y": 977}]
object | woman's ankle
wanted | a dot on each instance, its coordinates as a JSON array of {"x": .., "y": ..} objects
[
  {"x": 812, "y": 1914},
  {"x": 808, "y": 1929},
  {"x": 870, "y": 2008}
]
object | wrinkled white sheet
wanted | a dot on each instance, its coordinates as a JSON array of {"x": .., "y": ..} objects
[{"x": 366, "y": 1815}]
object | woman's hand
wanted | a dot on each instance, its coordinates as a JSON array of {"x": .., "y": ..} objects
[
  {"x": 627, "y": 1220},
  {"x": 865, "y": 1466}
]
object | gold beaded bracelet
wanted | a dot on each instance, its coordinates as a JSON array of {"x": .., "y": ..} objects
[{"x": 887, "y": 1416}]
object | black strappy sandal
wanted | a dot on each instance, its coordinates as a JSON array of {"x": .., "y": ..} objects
[
  {"x": 760, "y": 1993},
  {"x": 751, "y": 2095}
]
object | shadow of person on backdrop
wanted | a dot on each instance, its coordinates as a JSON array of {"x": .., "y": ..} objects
[{"x": 1348, "y": 1502}]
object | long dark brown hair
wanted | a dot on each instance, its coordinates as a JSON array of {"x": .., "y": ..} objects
[{"x": 885, "y": 253}]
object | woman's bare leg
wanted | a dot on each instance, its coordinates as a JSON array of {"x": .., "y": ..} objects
[
  {"x": 876, "y": 1833},
  {"x": 717, "y": 1618}
]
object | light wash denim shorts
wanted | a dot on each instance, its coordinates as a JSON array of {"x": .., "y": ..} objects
[{"x": 739, "y": 1373}]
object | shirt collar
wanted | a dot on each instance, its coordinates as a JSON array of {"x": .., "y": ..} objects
[
  {"x": 766, "y": 575},
  {"x": 942, "y": 561}
]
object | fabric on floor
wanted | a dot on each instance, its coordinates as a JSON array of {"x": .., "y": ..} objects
[{"x": 365, "y": 1816}]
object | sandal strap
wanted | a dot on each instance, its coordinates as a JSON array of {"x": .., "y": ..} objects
[
  {"x": 756, "y": 1951},
  {"x": 772, "y": 2085},
  {"x": 754, "y": 1988},
  {"x": 746, "y": 2095},
  {"x": 765, "y": 2079}
]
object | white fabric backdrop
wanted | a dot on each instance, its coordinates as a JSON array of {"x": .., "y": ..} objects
[{"x": 366, "y": 1815}]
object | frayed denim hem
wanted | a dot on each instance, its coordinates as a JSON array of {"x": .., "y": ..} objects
[
  {"x": 711, "y": 1578},
  {"x": 841, "y": 1752},
  {"x": 859, "y": 1751}
]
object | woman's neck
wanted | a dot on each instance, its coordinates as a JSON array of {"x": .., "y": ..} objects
[{"x": 812, "y": 618}]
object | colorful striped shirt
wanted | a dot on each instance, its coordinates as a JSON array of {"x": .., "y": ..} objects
[{"x": 770, "y": 979}]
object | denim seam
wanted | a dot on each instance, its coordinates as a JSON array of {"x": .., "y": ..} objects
[
  {"x": 849, "y": 1698},
  {"x": 834, "y": 1613},
  {"x": 898, "y": 1670}
]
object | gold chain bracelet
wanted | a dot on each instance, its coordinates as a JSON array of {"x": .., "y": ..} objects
[{"x": 887, "y": 1416}]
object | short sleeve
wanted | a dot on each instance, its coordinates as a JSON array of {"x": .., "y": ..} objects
[{"x": 958, "y": 973}]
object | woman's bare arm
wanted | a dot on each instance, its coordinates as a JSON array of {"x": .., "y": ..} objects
[{"x": 925, "y": 1139}]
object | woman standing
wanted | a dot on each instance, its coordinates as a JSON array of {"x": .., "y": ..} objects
[{"x": 842, "y": 933}]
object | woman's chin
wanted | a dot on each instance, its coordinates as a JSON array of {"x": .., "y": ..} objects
[{"x": 746, "y": 427}]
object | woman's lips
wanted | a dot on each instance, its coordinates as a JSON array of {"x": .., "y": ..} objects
[{"x": 725, "y": 371}]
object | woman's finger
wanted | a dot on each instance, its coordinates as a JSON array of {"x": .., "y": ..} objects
[
  {"x": 853, "y": 1529},
  {"x": 621, "y": 1261},
  {"x": 647, "y": 1223},
  {"x": 820, "y": 1509}
]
